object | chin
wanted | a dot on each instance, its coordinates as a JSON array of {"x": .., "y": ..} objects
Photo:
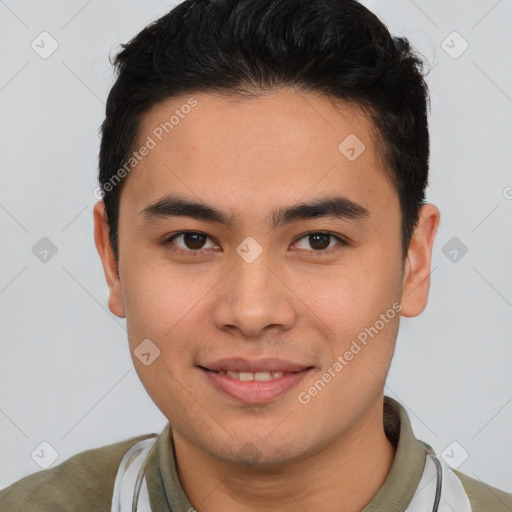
[{"x": 264, "y": 456}]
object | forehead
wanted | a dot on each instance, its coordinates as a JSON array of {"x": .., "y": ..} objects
[
  {"x": 276, "y": 148},
  {"x": 283, "y": 119}
]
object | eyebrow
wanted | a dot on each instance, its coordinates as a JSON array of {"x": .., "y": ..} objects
[{"x": 340, "y": 207}]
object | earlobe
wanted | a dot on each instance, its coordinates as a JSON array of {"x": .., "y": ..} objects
[
  {"x": 110, "y": 268},
  {"x": 417, "y": 270}
]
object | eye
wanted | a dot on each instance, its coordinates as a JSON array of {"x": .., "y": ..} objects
[
  {"x": 320, "y": 241},
  {"x": 189, "y": 241},
  {"x": 194, "y": 242}
]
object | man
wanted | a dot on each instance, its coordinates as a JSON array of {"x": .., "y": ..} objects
[{"x": 263, "y": 227}]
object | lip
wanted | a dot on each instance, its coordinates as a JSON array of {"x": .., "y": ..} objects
[{"x": 254, "y": 392}]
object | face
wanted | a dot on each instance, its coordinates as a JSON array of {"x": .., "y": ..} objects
[{"x": 269, "y": 322}]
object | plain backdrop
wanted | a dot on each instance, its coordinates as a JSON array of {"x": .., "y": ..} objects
[{"x": 66, "y": 377}]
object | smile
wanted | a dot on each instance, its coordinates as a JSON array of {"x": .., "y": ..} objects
[
  {"x": 247, "y": 376},
  {"x": 257, "y": 386}
]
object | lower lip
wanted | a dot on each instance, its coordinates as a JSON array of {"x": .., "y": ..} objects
[{"x": 252, "y": 391}]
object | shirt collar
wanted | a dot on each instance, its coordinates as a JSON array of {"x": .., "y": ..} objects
[
  {"x": 167, "y": 495},
  {"x": 404, "y": 476}
]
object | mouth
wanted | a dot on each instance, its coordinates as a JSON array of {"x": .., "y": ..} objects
[
  {"x": 254, "y": 382},
  {"x": 257, "y": 376}
]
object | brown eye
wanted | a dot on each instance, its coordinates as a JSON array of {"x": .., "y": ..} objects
[
  {"x": 189, "y": 241},
  {"x": 194, "y": 240},
  {"x": 320, "y": 241}
]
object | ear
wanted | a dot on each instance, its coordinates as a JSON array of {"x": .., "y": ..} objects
[
  {"x": 102, "y": 240},
  {"x": 416, "y": 280}
]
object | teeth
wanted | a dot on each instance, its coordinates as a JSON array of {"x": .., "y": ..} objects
[
  {"x": 262, "y": 376},
  {"x": 247, "y": 376}
]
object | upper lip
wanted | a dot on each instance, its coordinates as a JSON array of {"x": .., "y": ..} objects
[{"x": 240, "y": 364}]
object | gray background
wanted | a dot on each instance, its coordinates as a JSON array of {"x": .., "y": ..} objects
[{"x": 66, "y": 377}]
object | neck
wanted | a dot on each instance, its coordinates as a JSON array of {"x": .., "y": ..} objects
[{"x": 349, "y": 472}]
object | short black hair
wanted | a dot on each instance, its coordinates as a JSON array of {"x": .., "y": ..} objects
[{"x": 337, "y": 48}]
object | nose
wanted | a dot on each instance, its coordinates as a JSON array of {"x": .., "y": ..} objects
[{"x": 255, "y": 298}]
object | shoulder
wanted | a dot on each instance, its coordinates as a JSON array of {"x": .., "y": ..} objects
[
  {"x": 484, "y": 497},
  {"x": 84, "y": 481}
]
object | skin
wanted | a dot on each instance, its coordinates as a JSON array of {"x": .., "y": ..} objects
[{"x": 247, "y": 157}]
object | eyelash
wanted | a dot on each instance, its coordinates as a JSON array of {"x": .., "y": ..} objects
[{"x": 190, "y": 252}]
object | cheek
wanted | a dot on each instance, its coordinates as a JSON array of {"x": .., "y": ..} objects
[
  {"x": 158, "y": 293},
  {"x": 348, "y": 296},
  {"x": 359, "y": 309}
]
